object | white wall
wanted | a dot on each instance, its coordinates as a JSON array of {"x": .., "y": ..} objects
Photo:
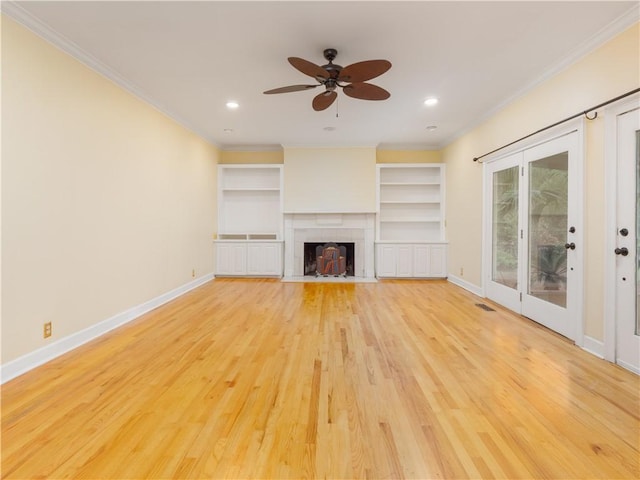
[
  {"x": 329, "y": 180},
  {"x": 106, "y": 203}
]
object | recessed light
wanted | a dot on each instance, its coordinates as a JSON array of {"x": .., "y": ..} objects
[
  {"x": 431, "y": 128},
  {"x": 430, "y": 102},
  {"x": 228, "y": 130},
  {"x": 232, "y": 105},
  {"x": 329, "y": 129}
]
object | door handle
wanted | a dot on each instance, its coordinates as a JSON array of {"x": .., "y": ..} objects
[
  {"x": 571, "y": 246},
  {"x": 624, "y": 251}
]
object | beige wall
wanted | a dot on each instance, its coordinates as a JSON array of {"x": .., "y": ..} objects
[
  {"x": 382, "y": 156},
  {"x": 609, "y": 71},
  {"x": 250, "y": 157},
  {"x": 408, "y": 156},
  {"x": 330, "y": 179},
  {"x": 106, "y": 203}
]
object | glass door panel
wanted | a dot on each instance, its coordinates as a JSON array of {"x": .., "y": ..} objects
[
  {"x": 552, "y": 273},
  {"x": 504, "y": 259},
  {"x": 503, "y": 239},
  {"x": 548, "y": 213}
]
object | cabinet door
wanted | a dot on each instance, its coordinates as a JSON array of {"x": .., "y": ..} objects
[
  {"x": 264, "y": 259},
  {"x": 231, "y": 259},
  {"x": 404, "y": 266},
  {"x": 386, "y": 264},
  {"x": 421, "y": 260},
  {"x": 223, "y": 259},
  {"x": 438, "y": 261}
]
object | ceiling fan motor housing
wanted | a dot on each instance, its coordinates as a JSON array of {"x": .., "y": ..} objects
[{"x": 333, "y": 69}]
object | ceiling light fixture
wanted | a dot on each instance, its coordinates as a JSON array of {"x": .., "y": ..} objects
[
  {"x": 228, "y": 130},
  {"x": 329, "y": 129},
  {"x": 231, "y": 105},
  {"x": 431, "y": 128},
  {"x": 430, "y": 102}
]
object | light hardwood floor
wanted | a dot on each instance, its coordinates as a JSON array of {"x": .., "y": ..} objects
[{"x": 263, "y": 379}]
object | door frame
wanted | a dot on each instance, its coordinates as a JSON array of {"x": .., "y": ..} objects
[
  {"x": 611, "y": 114},
  {"x": 578, "y": 126}
]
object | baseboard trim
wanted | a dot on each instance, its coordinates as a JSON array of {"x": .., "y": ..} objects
[
  {"x": 466, "y": 285},
  {"x": 593, "y": 346},
  {"x": 628, "y": 366},
  {"x": 25, "y": 363}
]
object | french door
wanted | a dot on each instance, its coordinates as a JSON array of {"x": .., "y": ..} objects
[
  {"x": 532, "y": 239},
  {"x": 626, "y": 254}
]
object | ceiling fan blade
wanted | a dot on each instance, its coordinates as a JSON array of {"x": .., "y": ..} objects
[
  {"x": 308, "y": 68},
  {"x": 324, "y": 100},
  {"x": 290, "y": 88},
  {"x": 366, "y": 91},
  {"x": 363, "y": 71}
]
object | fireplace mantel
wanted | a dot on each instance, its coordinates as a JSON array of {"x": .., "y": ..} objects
[{"x": 356, "y": 227}]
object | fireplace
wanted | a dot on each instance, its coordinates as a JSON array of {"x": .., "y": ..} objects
[
  {"x": 312, "y": 252},
  {"x": 320, "y": 228}
]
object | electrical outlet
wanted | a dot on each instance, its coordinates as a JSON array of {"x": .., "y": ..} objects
[
  {"x": 461, "y": 271},
  {"x": 47, "y": 330}
]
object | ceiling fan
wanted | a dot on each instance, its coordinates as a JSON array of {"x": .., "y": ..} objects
[{"x": 352, "y": 79}]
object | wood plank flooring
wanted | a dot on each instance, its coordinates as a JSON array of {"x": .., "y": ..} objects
[{"x": 264, "y": 379}]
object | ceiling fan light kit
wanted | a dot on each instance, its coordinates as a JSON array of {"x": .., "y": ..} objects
[{"x": 351, "y": 79}]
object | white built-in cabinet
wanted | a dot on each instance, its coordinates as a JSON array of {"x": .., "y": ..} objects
[
  {"x": 410, "y": 228},
  {"x": 250, "y": 220},
  {"x": 248, "y": 258}
]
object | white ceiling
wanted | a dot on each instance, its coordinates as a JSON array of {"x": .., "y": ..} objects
[{"x": 190, "y": 58}]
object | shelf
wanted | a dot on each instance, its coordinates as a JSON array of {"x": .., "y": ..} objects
[
  {"x": 248, "y": 236},
  {"x": 248, "y": 189},
  {"x": 412, "y": 220},
  {"x": 408, "y": 202},
  {"x": 407, "y": 184}
]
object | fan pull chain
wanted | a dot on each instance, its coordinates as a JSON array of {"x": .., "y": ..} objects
[{"x": 337, "y": 106}]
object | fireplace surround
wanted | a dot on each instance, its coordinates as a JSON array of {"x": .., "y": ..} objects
[{"x": 356, "y": 228}]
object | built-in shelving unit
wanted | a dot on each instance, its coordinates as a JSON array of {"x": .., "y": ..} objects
[
  {"x": 250, "y": 200},
  {"x": 410, "y": 230},
  {"x": 250, "y": 220},
  {"x": 410, "y": 202}
]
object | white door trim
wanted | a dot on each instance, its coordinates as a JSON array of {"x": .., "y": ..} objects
[{"x": 611, "y": 114}]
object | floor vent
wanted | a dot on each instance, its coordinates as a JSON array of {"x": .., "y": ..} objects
[{"x": 485, "y": 307}]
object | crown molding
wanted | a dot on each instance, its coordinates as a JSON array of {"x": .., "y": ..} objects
[
  {"x": 617, "y": 26},
  {"x": 13, "y": 10}
]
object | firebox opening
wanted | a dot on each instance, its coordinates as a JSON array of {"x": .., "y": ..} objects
[{"x": 327, "y": 266}]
